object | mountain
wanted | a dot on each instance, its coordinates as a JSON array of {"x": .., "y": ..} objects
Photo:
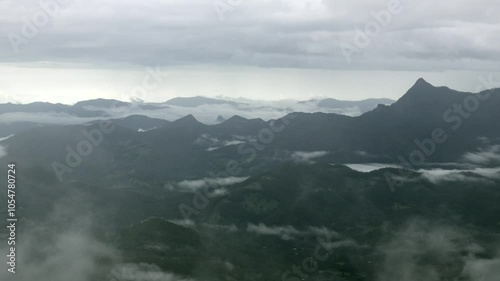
[
  {"x": 21, "y": 117},
  {"x": 107, "y": 104},
  {"x": 258, "y": 228},
  {"x": 403, "y": 130},
  {"x": 43, "y": 107},
  {"x": 199, "y": 101},
  {"x": 100, "y": 103},
  {"x": 239, "y": 125},
  {"x": 188, "y": 121},
  {"x": 363, "y": 105},
  {"x": 88, "y": 108},
  {"x": 391, "y": 131},
  {"x": 249, "y": 199},
  {"x": 220, "y": 119},
  {"x": 141, "y": 123}
]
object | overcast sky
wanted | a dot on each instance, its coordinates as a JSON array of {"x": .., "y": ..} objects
[{"x": 260, "y": 49}]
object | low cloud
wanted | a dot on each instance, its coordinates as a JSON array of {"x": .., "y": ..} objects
[
  {"x": 423, "y": 250},
  {"x": 184, "y": 223},
  {"x": 484, "y": 156},
  {"x": 476, "y": 174},
  {"x": 324, "y": 232},
  {"x": 216, "y": 184},
  {"x": 7, "y": 137},
  {"x": 307, "y": 156},
  {"x": 142, "y": 272},
  {"x": 49, "y": 118},
  {"x": 288, "y": 232},
  {"x": 141, "y": 130},
  {"x": 214, "y": 143},
  {"x": 370, "y": 167},
  {"x": 285, "y": 232},
  {"x": 418, "y": 251},
  {"x": 192, "y": 224},
  {"x": 228, "y": 228},
  {"x": 59, "y": 249},
  {"x": 482, "y": 269},
  {"x": 207, "y": 114}
]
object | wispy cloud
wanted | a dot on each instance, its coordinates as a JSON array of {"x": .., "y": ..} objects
[
  {"x": 142, "y": 272},
  {"x": 44, "y": 118},
  {"x": 484, "y": 156},
  {"x": 207, "y": 114},
  {"x": 288, "y": 232},
  {"x": 72, "y": 252},
  {"x": 285, "y": 232},
  {"x": 482, "y": 269},
  {"x": 212, "y": 143},
  {"x": 307, "y": 156},
  {"x": 5, "y": 138},
  {"x": 194, "y": 185},
  {"x": 421, "y": 249},
  {"x": 476, "y": 174},
  {"x": 370, "y": 167}
]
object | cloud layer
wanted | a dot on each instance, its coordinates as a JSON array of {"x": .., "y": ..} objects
[
  {"x": 283, "y": 33},
  {"x": 485, "y": 156},
  {"x": 424, "y": 250},
  {"x": 216, "y": 186}
]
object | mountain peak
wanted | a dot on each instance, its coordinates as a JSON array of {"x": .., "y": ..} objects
[
  {"x": 424, "y": 96},
  {"x": 220, "y": 119},
  {"x": 101, "y": 103},
  {"x": 187, "y": 120},
  {"x": 420, "y": 88},
  {"x": 237, "y": 118},
  {"x": 421, "y": 83}
]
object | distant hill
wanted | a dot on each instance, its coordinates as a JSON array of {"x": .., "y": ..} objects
[
  {"x": 247, "y": 199},
  {"x": 141, "y": 123},
  {"x": 22, "y": 117},
  {"x": 382, "y": 135},
  {"x": 362, "y": 105},
  {"x": 199, "y": 101}
]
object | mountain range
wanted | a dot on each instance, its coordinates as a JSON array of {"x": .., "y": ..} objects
[
  {"x": 15, "y": 118},
  {"x": 406, "y": 191}
]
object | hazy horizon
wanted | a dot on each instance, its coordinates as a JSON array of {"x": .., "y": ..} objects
[
  {"x": 156, "y": 96},
  {"x": 264, "y": 50}
]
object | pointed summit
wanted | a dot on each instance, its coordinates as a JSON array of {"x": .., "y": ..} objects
[
  {"x": 236, "y": 119},
  {"x": 420, "y": 95},
  {"x": 424, "y": 96},
  {"x": 186, "y": 121},
  {"x": 419, "y": 89},
  {"x": 220, "y": 119},
  {"x": 422, "y": 83}
]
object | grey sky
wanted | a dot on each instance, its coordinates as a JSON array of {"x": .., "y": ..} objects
[{"x": 263, "y": 49}]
